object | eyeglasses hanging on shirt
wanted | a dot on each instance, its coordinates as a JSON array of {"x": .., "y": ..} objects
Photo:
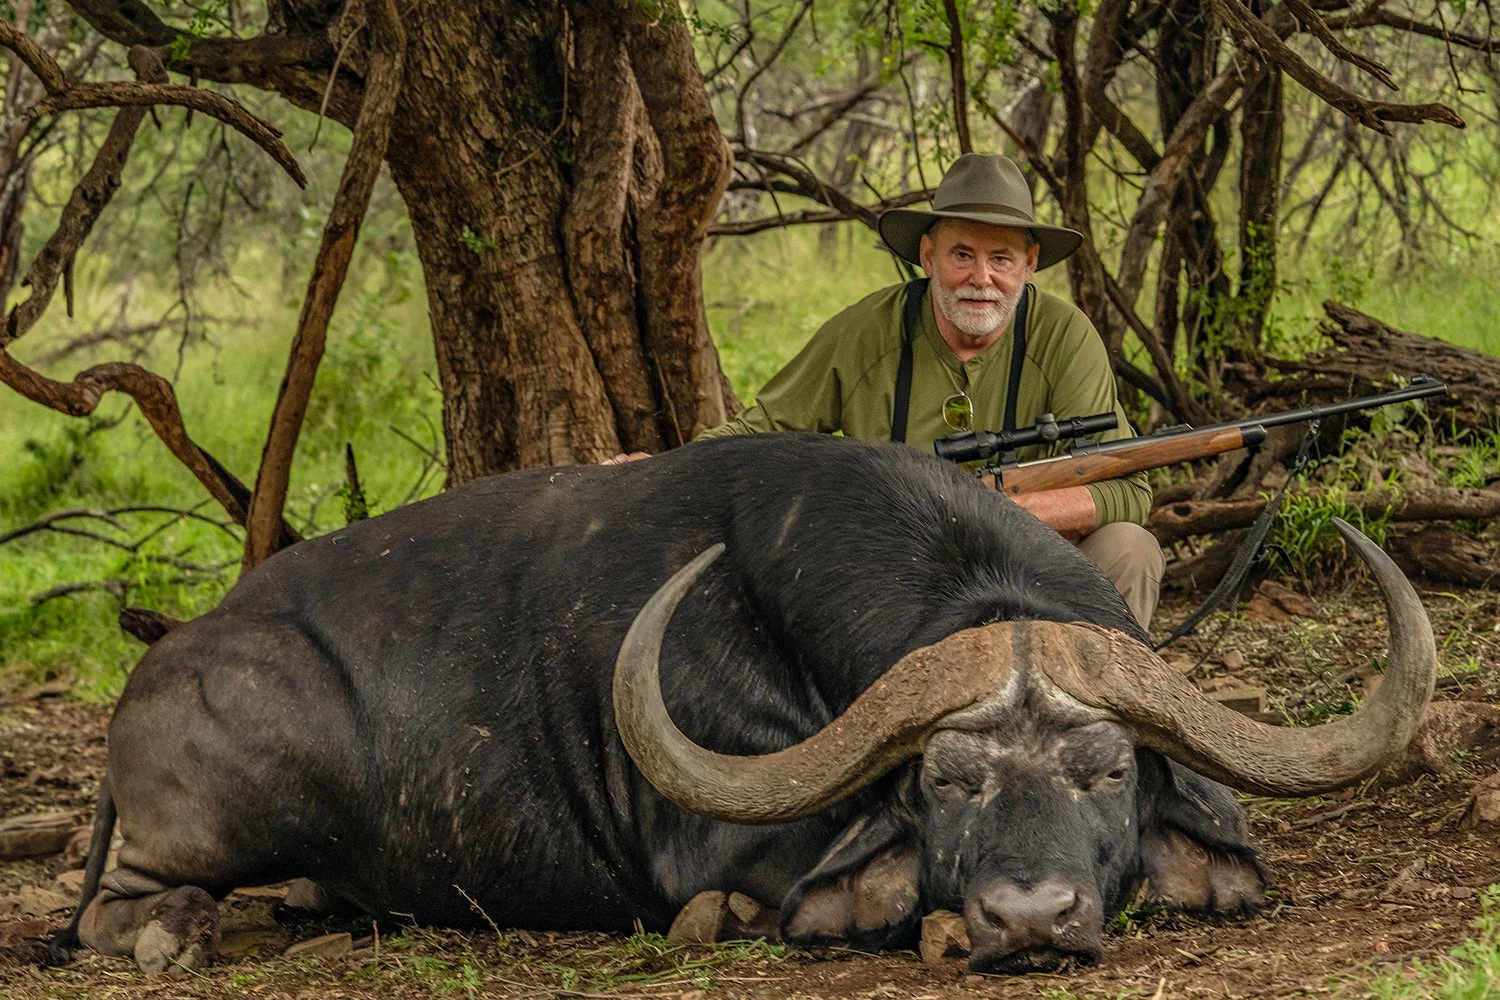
[{"x": 958, "y": 409}]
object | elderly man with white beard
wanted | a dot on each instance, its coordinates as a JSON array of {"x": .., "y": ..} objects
[{"x": 973, "y": 346}]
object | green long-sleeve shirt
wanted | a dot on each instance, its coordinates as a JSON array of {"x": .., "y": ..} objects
[{"x": 845, "y": 380}]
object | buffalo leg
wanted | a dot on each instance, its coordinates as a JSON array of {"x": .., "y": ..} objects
[{"x": 161, "y": 925}]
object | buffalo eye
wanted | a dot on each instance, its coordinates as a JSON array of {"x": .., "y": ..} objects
[
  {"x": 1109, "y": 780},
  {"x": 950, "y": 790}
]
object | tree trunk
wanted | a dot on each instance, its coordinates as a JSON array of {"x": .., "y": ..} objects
[{"x": 559, "y": 217}]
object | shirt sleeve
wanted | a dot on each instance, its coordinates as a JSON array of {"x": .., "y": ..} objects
[
  {"x": 1088, "y": 386},
  {"x": 803, "y": 396}
]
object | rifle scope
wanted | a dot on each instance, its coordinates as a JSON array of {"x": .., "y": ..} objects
[{"x": 970, "y": 446}]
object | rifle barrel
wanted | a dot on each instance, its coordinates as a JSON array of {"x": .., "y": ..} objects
[
  {"x": 1421, "y": 387},
  {"x": 1178, "y": 444}
]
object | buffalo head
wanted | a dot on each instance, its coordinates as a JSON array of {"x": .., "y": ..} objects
[{"x": 1038, "y": 772}]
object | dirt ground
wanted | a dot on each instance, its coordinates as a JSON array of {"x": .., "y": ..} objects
[{"x": 1366, "y": 882}]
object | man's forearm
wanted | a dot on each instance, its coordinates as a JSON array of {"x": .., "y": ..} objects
[{"x": 1069, "y": 512}]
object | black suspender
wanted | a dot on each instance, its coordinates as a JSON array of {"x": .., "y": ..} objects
[
  {"x": 911, "y": 315},
  {"x": 1017, "y": 360}
]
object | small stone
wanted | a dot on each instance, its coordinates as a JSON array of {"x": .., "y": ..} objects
[
  {"x": 1484, "y": 803},
  {"x": 35, "y": 835},
  {"x": 18, "y": 939},
  {"x": 251, "y": 941},
  {"x": 1234, "y": 660},
  {"x": 1447, "y": 727},
  {"x": 305, "y": 894},
  {"x": 698, "y": 922},
  {"x": 39, "y": 902},
  {"x": 972, "y": 981},
  {"x": 274, "y": 893},
  {"x": 944, "y": 936},
  {"x": 1244, "y": 700},
  {"x": 1288, "y": 600},
  {"x": 1461, "y": 892},
  {"x": 325, "y": 946}
]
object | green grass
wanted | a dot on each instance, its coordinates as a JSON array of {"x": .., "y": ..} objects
[
  {"x": 1470, "y": 971},
  {"x": 375, "y": 389}
]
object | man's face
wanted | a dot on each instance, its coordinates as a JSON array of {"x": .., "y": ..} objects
[{"x": 978, "y": 272}]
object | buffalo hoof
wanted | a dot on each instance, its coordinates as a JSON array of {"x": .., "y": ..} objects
[{"x": 182, "y": 935}]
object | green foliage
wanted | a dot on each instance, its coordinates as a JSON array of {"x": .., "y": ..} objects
[
  {"x": 1470, "y": 971},
  {"x": 475, "y": 243},
  {"x": 1304, "y": 540}
]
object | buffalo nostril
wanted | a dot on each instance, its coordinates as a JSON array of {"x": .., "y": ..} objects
[{"x": 1034, "y": 916}]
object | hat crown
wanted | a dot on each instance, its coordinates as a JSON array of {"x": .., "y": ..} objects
[{"x": 991, "y": 181}]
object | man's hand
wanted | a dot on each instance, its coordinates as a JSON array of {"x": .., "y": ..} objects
[
  {"x": 1069, "y": 511},
  {"x": 623, "y": 457}
]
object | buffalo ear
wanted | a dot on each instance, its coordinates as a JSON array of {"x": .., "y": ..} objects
[
  {"x": 1195, "y": 848},
  {"x": 866, "y": 890}
]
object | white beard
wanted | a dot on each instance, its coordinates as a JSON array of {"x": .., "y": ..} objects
[{"x": 975, "y": 321}]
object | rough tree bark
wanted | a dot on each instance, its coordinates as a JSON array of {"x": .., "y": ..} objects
[{"x": 560, "y": 163}]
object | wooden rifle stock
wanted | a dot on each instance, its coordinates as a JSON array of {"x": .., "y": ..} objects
[
  {"x": 1089, "y": 462},
  {"x": 1141, "y": 454}
]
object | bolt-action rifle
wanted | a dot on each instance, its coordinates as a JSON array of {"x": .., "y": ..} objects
[{"x": 1089, "y": 461}]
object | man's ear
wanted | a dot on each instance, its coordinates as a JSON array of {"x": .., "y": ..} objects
[
  {"x": 1195, "y": 848},
  {"x": 866, "y": 890},
  {"x": 924, "y": 252}
]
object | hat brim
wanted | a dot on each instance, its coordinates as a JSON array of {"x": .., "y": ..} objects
[{"x": 903, "y": 228}]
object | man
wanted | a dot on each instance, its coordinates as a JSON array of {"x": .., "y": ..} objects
[{"x": 953, "y": 335}]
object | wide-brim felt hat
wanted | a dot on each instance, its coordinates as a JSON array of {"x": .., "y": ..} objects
[{"x": 979, "y": 188}]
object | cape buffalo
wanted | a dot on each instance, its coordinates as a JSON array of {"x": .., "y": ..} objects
[{"x": 420, "y": 711}]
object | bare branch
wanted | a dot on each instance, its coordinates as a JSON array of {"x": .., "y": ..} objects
[
  {"x": 124, "y": 93},
  {"x": 841, "y": 106},
  {"x": 152, "y": 394},
  {"x": 1255, "y": 34},
  {"x": 1313, "y": 22},
  {"x": 1387, "y": 19},
  {"x": 808, "y": 185},
  {"x": 129, "y": 22},
  {"x": 88, "y": 200},
  {"x": 37, "y": 59},
  {"x": 371, "y": 135},
  {"x": 955, "y": 52},
  {"x": 775, "y": 53}
]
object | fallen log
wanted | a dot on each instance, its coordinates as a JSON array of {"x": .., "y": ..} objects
[
  {"x": 1445, "y": 555},
  {"x": 1175, "y": 521},
  {"x": 1362, "y": 356}
]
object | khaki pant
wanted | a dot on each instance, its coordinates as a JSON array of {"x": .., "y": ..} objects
[{"x": 1132, "y": 561}]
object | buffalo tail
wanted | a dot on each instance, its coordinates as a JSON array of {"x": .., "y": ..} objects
[{"x": 59, "y": 948}]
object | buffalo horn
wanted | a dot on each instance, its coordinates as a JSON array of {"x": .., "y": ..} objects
[
  {"x": 886, "y": 725},
  {"x": 1166, "y": 712}
]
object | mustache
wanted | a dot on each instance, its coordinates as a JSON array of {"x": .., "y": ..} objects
[{"x": 973, "y": 292}]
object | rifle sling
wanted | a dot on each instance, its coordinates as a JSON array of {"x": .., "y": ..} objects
[
  {"x": 1248, "y": 555},
  {"x": 1017, "y": 360}
]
